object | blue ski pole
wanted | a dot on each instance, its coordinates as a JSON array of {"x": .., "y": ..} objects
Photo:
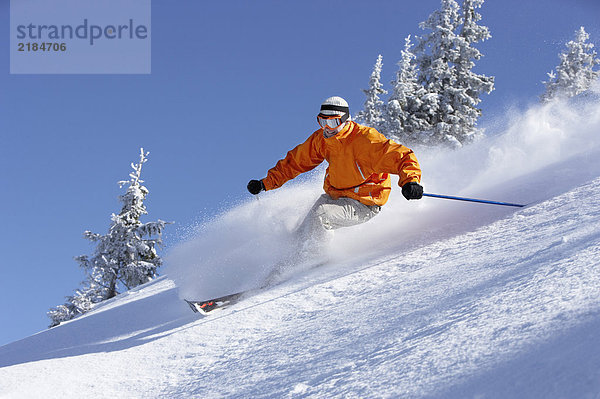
[{"x": 472, "y": 200}]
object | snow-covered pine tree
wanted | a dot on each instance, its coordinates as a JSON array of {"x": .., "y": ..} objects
[
  {"x": 434, "y": 53},
  {"x": 575, "y": 73},
  {"x": 123, "y": 258},
  {"x": 82, "y": 301},
  {"x": 372, "y": 112},
  {"x": 471, "y": 85},
  {"x": 404, "y": 119},
  {"x": 445, "y": 57}
]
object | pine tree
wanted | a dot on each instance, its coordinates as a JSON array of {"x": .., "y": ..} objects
[
  {"x": 123, "y": 258},
  {"x": 445, "y": 57},
  {"x": 81, "y": 302},
  {"x": 404, "y": 116},
  {"x": 434, "y": 53},
  {"x": 471, "y": 85},
  {"x": 575, "y": 73},
  {"x": 372, "y": 113}
]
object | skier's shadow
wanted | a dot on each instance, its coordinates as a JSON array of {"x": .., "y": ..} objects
[{"x": 106, "y": 329}]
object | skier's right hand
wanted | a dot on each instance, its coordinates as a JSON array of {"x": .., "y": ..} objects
[{"x": 256, "y": 186}]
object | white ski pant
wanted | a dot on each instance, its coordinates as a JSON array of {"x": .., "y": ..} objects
[
  {"x": 329, "y": 214},
  {"x": 315, "y": 232}
]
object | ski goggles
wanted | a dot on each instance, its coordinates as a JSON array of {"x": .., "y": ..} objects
[{"x": 332, "y": 121}]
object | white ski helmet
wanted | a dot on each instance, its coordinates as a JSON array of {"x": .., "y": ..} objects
[{"x": 335, "y": 106}]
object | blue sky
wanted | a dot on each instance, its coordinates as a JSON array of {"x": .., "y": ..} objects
[{"x": 234, "y": 85}]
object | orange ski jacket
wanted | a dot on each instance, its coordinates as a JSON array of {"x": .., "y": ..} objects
[{"x": 360, "y": 162}]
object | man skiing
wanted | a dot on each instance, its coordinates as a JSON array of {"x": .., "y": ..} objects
[{"x": 357, "y": 181}]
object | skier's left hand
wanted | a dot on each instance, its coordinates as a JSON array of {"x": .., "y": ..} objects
[{"x": 412, "y": 190}]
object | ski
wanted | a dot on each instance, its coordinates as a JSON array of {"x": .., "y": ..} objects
[{"x": 204, "y": 307}]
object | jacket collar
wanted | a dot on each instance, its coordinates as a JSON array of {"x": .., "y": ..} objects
[{"x": 345, "y": 132}]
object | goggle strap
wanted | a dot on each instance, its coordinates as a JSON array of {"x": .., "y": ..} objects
[{"x": 331, "y": 107}]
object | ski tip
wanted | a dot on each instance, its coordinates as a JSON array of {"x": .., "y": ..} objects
[{"x": 192, "y": 306}]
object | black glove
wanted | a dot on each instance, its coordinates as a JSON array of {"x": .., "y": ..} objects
[
  {"x": 256, "y": 186},
  {"x": 412, "y": 190}
]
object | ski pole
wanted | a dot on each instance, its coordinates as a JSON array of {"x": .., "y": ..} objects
[{"x": 472, "y": 200}]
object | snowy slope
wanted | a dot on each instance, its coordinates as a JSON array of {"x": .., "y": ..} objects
[
  {"x": 516, "y": 317},
  {"x": 462, "y": 301}
]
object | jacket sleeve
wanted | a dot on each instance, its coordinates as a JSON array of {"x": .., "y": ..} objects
[
  {"x": 304, "y": 157},
  {"x": 381, "y": 155}
]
